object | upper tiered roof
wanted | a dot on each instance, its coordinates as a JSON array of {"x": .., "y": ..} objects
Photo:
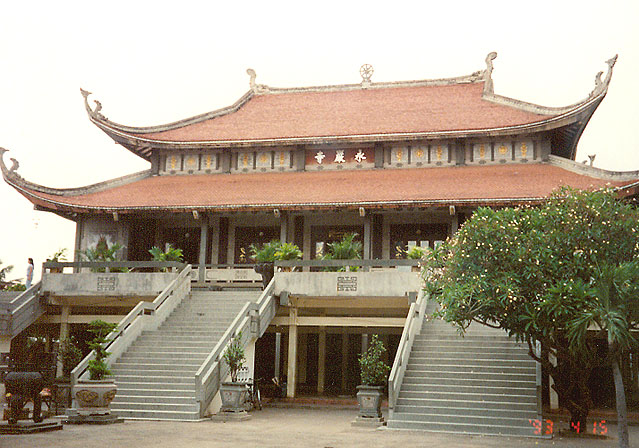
[{"x": 391, "y": 111}]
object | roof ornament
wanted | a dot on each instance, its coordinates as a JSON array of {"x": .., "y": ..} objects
[
  {"x": 11, "y": 172},
  {"x": 601, "y": 86},
  {"x": 94, "y": 113},
  {"x": 366, "y": 72},
  {"x": 256, "y": 88},
  {"x": 488, "y": 80}
]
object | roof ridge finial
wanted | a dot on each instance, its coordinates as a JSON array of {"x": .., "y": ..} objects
[
  {"x": 366, "y": 71},
  {"x": 488, "y": 80},
  {"x": 256, "y": 88},
  {"x": 93, "y": 113},
  {"x": 602, "y": 86}
]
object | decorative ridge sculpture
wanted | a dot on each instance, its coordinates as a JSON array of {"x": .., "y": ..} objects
[
  {"x": 488, "y": 80},
  {"x": 94, "y": 113}
]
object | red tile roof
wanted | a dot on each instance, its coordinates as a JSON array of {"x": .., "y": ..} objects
[
  {"x": 511, "y": 183},
  {"x": 391, "y": 110}
]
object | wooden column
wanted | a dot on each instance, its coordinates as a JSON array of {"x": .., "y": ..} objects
[
  {"x": 367, "y": 237},
  {"x": 292, "y": 353},
  {"x": 64, "y": 331},
  {"x": 344, "y": 358},
  {"x": 214, "y": 227},
  {"x": 230, "y": 252},
  {"x": 386, "y": 249},
  {"x": 321, "y": 361},
  {"x": 204, "y": 233},
  {"x": 278, "y": 350},
  {"x": 284, "y": 227},
  {"x": 302, "y": 352},
  {"x": 307, "y": 243}
]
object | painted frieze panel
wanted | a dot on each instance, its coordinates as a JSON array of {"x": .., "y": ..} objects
[
  {"x": 334, "y": 159},
  {"x": 208, "y": 162},
  {"x": 482, "y": 152},
  {"x": 173, "y": 163},
  {"x": 282, "y": 160},
  {"x": 524, "y": 150},
  {"x": 419, "y": 155},
  {"x": 399, "y": 156},
  {"x": 503, "y": 152},
  {"x": 263, "y": 160},
  {"x": 191, "y": 162},
  {"x": 245, "y": 161},
  {"x": 439, "y": 154}
]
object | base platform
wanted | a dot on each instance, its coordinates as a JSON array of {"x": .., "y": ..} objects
[
  {"x": 231, "y": 416},
  {"x": 368, "y": 422},
  {"x": 29, "y": 427},
  {"x": 99, "y": 419}
]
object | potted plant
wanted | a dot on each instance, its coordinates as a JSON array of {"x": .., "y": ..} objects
[
  {"x": 348, "y": 248},
  {"x": 69, "y": 355},
  {"x": 102, "y": 252},
  {"x": 264, "y": 257},
  {"x": 94, "y": 395},
  {"x": 374, "y": 375},
  {"x": 416, "y": 253},
  {"x": 234, "y": 393},
  {"x": 288, "y": 251},
  {"x": 170, "y": 254},
  {"x": 60, "y": 255}
]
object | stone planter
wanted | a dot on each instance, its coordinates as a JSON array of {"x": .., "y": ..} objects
[
  {"x": 369, "y": 399},
  {"x": 267, "y": 270},
  {"x": 93, "y": 397},
  {"x": 233, "y": 397}
]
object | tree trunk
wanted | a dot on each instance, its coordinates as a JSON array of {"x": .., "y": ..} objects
[{"x": 622, "y": 413}]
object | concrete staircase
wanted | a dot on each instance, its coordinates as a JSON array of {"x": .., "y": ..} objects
[
  {"x": 156, "y": 375},
  {"x": 483, "y": 383}
]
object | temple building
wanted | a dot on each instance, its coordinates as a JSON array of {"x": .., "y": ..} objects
[{"x": 401, "y": 164}]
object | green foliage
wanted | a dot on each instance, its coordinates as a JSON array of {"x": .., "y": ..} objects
[
  {"x": 17, "y": 287},
  {"x": 171, "y": 254},
  {"x": 288, "y": 251},
  {"x": 102, "y": 252},
  {"x": 373, "y": 370},
  {"x": 544, "y": 274},
  {"x": 274, "y": 251},
  {"x": 234, "y": 356},
  {"x": 4, "y": 271},
  {"x": 69, "y": 356},
  {"x": 266, "y": 252},
  {"x": 98, "y": 368},
  {"x": 59, "y": 255},
  {"x": 345, "y": 249},
  {"x": 416, "y": 252}
]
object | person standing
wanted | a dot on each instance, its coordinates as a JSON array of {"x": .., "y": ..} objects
[{"x": 29, "y": 272}]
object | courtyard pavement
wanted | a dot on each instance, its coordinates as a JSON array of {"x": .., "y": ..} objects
[{"x": 280, "y": 427}]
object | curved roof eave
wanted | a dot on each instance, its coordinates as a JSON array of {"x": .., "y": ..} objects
[{"x": 137, "y": 144}]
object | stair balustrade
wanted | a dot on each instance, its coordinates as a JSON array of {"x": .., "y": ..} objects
[
  {"x": 144, "y": 316},
  {"x": 252, "y": 321},
  {"x": 412, "y": 327}
]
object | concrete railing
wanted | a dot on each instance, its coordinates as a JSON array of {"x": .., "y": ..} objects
[
  {"x": 21, "y": 311},
  {"x": 252, "y": 321},
  {"x": 226, "y": 275},
  {"x": 126, "y": 278},
  {"x": 412, "y": 328},
  {"x": 145, "y": 316}
]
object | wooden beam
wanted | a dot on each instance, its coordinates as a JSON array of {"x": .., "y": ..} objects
[
  {"x": 338, "y": 321},
  {"x": 351, "y": 302},
  {"x": 321, "y": 362}
]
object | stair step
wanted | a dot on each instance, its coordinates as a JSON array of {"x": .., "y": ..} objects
[
  {"x": 462, "y": 428},
  {"x": 453, "y": 412},
  {"x": 469, "y": 396},
  {"x": 156, "y": 415},
  {"x": 154, "y": 399},
  {"x": 145, "y": 406},
  {"x": 479, "y": 390},
  {"x": 467, "y": 403}
]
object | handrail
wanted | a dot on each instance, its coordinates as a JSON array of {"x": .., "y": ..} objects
[
  {"x": 18, "y": 305},
  {"x": 130, "y": 327},
  {"x": 113, "y": 264},
  {"x": 343, "y": 263},
  {"x": 212, "y": 371},
  {"x": 412, "y": 327}
]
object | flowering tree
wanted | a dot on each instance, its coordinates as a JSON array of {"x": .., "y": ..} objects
[{"x": 546, "y": 274}]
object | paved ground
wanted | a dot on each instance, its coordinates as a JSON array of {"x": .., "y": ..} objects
[{"x": 276, "y": 427}]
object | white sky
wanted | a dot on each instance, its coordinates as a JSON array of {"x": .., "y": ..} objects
[{"x": 154, "y": 62}]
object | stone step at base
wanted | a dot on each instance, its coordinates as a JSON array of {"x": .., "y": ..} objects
[
  {"x": 452, "y": 412},
  {"x": 460, "y": 428},
  {"x": 156, "y": 415}
]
